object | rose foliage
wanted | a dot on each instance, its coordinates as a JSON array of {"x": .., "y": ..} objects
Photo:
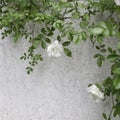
[{"x": 57, "y": 18}]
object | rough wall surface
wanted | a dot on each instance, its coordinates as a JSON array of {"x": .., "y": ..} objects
[{"x": 55, "y": 91}]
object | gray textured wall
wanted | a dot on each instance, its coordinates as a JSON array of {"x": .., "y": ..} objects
[{"x": 55, "y": 91}]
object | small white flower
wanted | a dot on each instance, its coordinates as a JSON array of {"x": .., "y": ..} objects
[
  {"x": 54, "y": 49},
  {"x": 95, "y": 93},
  {"x": 117, "y": 2}
]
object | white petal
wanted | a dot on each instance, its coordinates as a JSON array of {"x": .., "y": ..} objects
[
  {"x": 117, "y": 2},
  {"x": 95, "y": 93},
  {"x": 54, "y": 49}
]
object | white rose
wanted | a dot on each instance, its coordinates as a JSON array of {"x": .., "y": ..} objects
[
  {"x": 95, "y": 93},
  {"x": 54, "y": 49},
  {"x": 117, "y": 2}
]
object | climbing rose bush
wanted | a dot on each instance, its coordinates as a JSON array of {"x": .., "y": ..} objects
[{"x": 58, "y": 18}]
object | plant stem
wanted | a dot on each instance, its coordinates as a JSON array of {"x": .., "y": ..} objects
[
  {"x": 112, "y": 108},
  {"x": 111, "y": 14}
]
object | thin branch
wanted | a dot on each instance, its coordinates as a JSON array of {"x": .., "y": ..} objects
[
  {"x": 111, "y": 14},
  {"x": 33, "y": 31},
  {"x": 112, "y": 108},
  {"x": 66, "y": 17}
]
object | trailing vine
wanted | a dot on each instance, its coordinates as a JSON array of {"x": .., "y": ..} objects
[{"x": 57, "y": 18}]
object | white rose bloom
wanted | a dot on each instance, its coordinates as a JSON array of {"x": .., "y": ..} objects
[
  {"x": 95, "y": 93},
  {"x": 54, "y": 49},
  {"x": 117, "y": 2}
]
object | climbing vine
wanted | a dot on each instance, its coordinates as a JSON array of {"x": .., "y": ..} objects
[{"x": 57, "y": 18}]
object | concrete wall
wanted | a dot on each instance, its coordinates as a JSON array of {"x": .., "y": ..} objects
[{"x": 56, "y": 90}]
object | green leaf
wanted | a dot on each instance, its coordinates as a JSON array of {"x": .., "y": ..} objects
[
  {"x": 115, "y": 68},
  {"x": 86, "y": 17},
  {"x": 112, "y": 57},
  {"x": 76, "y": 15},
  {"x": 109, "y": 118},
  {"x": 102, "y": 24},
  {"x": 58, "y": 25},
  {"x": 103, "y": 50},
  {"x": 117, "y": 109},
  {"x": 50, "y": 33},
  {"x": 102, "y": 46},
  {"x": 78, "y": 39},
  {"x": 22, "y": 57},
  {"x": 99, "y": 62},
  {"x": 118, "y": 46},
  {"x": 107, "y": 82},
  {"x": 84, "y": 35},
  {"x": 96, "y": 30},
  {"x": 70, "y": 36},
  {"x": 38, "y": 57},
  {"x": 104, "y": 116},
  {"x": 47, "y": 40},
  {"x": 67, "y": 52},
  {"x": 106, "y": 33},
  {"x": 16, "y": 37},
  {"x": 43, "y": 30},
  {"x": 36, "y": 43},
  {"x": 96, "y": 55},
  {"x": 108, "y": 86},
  {"x": 29, "y": 70},
  {"x": 110, "y": 49},
  {"x": 118, "y": 96},
  {"x": 66, "y": 43},
  {"x": 99, "y": 39},
  {"x": 97, "y": 47},
  {"x": 116, "y": 82},
  {"x": 59, "y": 38},
  {"x": 43, "y": 44},
  {"x": 116, "y": 71},
  {"x": 83, "y": 24}
]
